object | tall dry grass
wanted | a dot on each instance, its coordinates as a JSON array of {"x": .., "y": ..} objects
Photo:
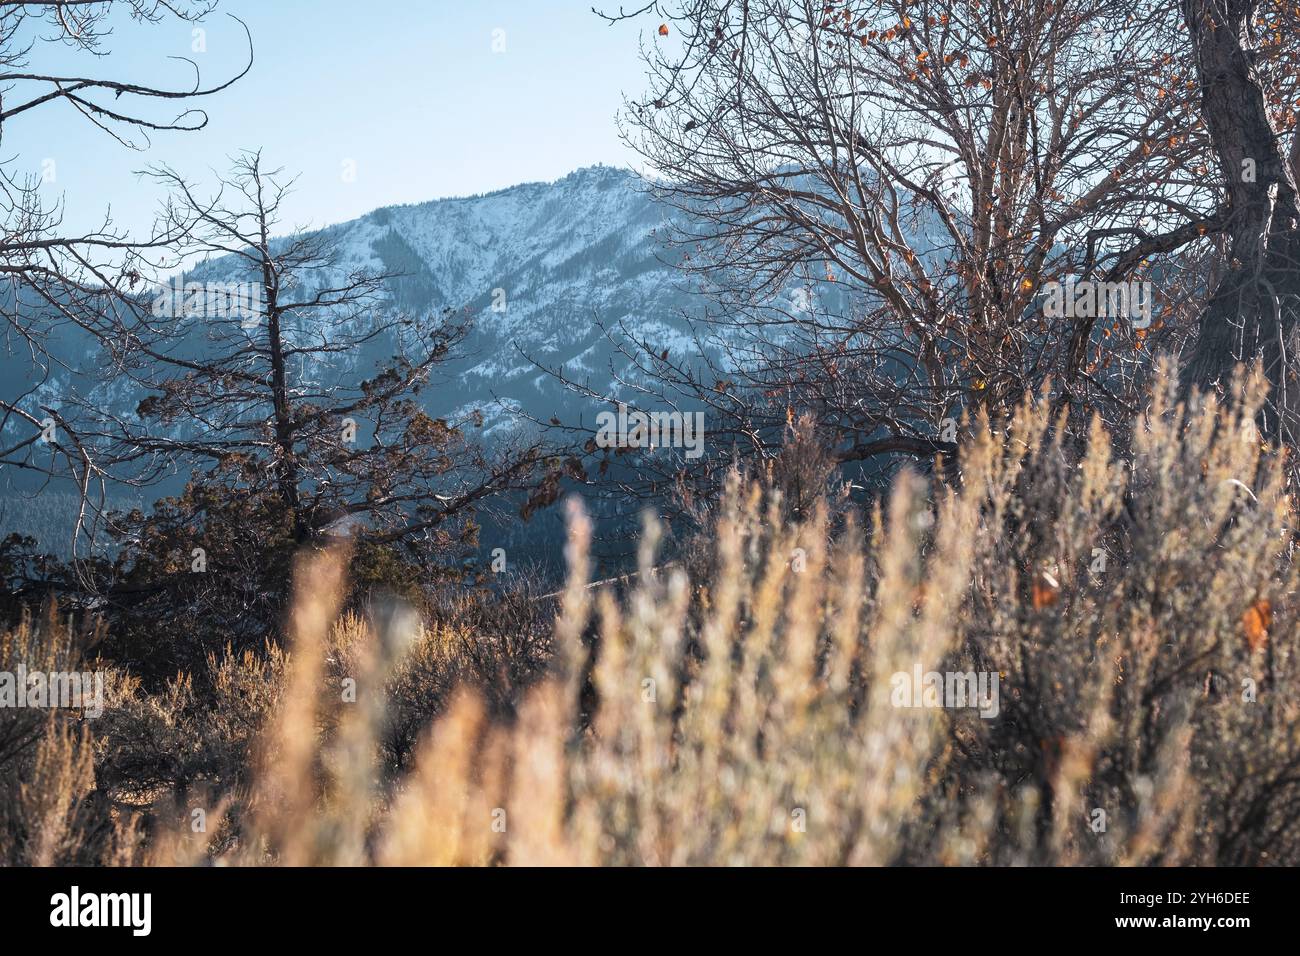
[{"x": 736, "y": 708}]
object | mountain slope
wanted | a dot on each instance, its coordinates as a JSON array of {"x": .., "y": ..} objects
[{"x": 537, "y": 269}]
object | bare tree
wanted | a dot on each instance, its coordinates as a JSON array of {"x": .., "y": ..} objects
[
  {"x": 1247, "y": 60},
  {"x": 261, "y": 377},
  {"x": 285, "y": 386},
  {"x": 56, "y": 277},
  {"x": 877, "y": 194}
]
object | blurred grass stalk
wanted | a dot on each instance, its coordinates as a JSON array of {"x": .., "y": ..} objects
[{"x": 735, "y": 709}]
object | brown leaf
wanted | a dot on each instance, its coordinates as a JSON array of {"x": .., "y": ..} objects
[
  {"x": 1045, "y": 592},
  {"x": 1256, "y": 622}
]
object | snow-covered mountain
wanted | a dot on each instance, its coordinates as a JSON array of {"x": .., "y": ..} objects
[
  {"x": 537, "y": 268},
  {"x": 540, "y": 270},
  {"x": 543, "y": 272}
]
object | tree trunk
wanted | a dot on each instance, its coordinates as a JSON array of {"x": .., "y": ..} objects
[
  {"x": 287, "y": 476},
  {"x": 1252, "y": 312}
]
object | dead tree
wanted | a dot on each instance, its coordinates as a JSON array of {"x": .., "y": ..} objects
[
  {"x": 53, "y": 277},
  {"x": 1247, "y": 55},
  {"x": 285, "y": 372},
  {"x": 875, "y": 196}
]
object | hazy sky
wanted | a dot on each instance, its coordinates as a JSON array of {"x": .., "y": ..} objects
[{"x": 408, "y": 93}]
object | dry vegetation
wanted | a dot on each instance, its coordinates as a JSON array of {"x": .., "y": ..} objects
[{"x": 734, "y": 708}]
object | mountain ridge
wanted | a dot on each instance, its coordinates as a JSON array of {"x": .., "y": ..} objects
[{"x": 538, "y": 269}]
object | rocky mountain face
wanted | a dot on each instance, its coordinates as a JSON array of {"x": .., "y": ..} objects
[{"x": 539, "y": 270}]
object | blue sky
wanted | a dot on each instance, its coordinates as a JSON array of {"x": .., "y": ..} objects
[{"x": 411, "y": 92}]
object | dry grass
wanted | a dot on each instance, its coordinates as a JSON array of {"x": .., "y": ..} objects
[{"x": 736, "y": 709}]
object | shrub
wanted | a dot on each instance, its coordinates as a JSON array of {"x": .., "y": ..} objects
[{"x": 1135, "y": 599}]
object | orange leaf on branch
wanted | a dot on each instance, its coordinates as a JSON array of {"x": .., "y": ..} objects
[{"x": 1256, "y": 622}]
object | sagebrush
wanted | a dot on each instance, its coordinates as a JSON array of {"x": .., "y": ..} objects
[{"x": 1134, "y": 594}]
